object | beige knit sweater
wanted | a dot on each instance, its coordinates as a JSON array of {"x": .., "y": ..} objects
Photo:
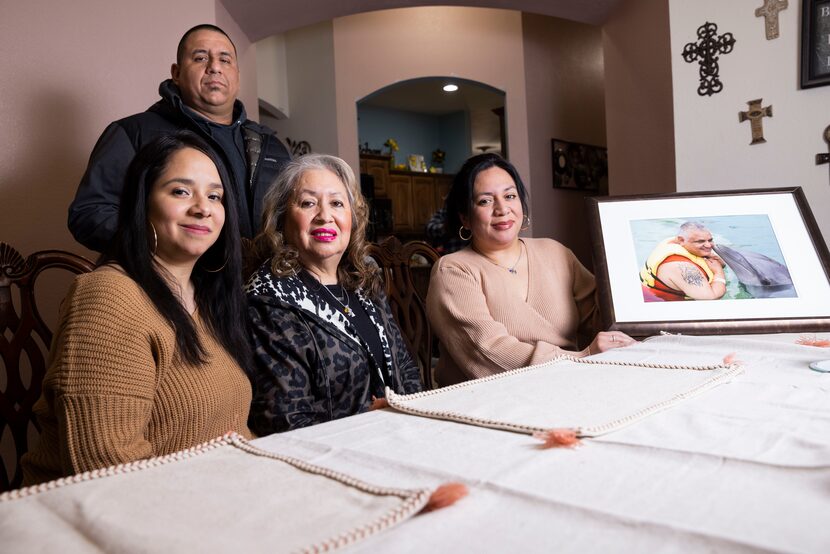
[
  {"x": 484, "y": 325},
  {"x": 114, "y": 391}
]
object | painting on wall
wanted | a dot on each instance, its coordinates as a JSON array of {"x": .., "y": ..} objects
[
  {"x": 815, "y": 43},
  {"x": 579, "y": 166},
  {"x": 745, "y": 261}
]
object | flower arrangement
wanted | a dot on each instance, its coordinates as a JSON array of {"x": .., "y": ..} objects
[
  {"x": 391, "y": 144},
  {"x": 438, "y": 157}
]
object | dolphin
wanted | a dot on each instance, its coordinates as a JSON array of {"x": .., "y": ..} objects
[{"x": 762, "y": 276}]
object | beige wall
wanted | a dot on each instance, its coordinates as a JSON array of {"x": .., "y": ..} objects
[
  {"x": 638, "y": 97},
  {"x": 376, "y": 49},
  {"x": 713, "y": 150},
  {"x": 311, "y": 101},
  {"x": 565, "y": 95}
]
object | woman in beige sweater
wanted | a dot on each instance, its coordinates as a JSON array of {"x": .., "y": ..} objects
[
  {"x": 148, "y": 356},
  {"x": 505, "y": 302}
]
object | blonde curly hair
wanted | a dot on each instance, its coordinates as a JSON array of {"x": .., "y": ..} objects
[{"x": 353, "y": 272}]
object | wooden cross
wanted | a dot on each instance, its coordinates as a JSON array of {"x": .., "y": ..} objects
[
  {"x": 754, "y": 115},
  {"x": 769, "y": 11}
]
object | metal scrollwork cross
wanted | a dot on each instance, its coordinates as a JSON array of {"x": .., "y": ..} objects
[{"x": 706, "y": 52}]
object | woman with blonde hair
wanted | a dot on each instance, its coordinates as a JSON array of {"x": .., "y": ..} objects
[{"x": 325, "y": 342}]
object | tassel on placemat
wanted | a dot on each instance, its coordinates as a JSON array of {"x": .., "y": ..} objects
[
  {"x": 379, "y": 403},
  {"x": 812, "y": 341},
  {"x": 445, "y": 495},
  {"x": 729, "y": 359},
  {"x": 553, "y": 438}
]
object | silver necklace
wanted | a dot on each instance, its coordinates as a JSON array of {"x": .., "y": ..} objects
[
  {"x": 345, "y": 305},
  {"x": 512, "y": 269}
]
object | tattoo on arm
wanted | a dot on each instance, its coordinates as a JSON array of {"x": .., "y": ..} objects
[{"x": 691, "y": 275}]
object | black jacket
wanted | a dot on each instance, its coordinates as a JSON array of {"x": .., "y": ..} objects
[
  {"x": 93, "y": 215},
  {"x": 310, "y": 364}
]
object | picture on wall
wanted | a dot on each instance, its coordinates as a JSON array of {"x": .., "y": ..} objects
[
  {"x": 746, "y": 261},
  {"x": 579, "y": 166},
  {"x": 815, "y": 43}
]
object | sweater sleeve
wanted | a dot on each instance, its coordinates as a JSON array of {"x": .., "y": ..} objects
[
  {"x": 105, "y": 379},
  {"x": 479, "y": 345},
  {"x": 93, "y": 214},
  {"x": 285, "y": 394}
]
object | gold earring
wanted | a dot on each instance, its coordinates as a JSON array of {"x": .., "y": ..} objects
[
  {"x": 461, "y": 236},
  {"x": 155, "y": 239},
  {"x": 218, "y": 270}
]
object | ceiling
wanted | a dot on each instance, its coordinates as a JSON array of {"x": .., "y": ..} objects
[
  {"x": 426, "y": 96},
  {"x": 259, "y": 19}
]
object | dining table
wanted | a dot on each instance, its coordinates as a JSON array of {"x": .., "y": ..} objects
[{"x": 737, "y": 461}]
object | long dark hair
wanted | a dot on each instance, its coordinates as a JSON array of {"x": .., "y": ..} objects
[
  {"x": 219, "y": 297},
  {"x": 460, "y": 198}
]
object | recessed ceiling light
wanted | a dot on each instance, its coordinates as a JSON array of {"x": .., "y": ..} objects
[{"x": 450, "y": 88}]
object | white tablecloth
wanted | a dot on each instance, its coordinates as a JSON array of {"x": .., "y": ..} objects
[{"x": 743, "y": 467}]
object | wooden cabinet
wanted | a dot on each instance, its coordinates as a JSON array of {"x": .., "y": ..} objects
[
  {"x": 415, "y": 196},
  {"x": 377, "y": 167},
  {"x": 400, "y": 192}
]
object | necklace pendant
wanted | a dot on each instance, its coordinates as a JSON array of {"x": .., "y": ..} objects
[
  {"x": 348, "y": 311},
  {"x": 513, "y": 271}
]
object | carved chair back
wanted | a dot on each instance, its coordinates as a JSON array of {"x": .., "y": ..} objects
[
  {"x": 24, "y": 347},
  {"x": 406, "y": 269}
]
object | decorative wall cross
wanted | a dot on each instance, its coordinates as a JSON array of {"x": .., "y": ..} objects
[
  {"x": 754, "y": 114},
  {"x": 825, "y": 158},
  {"x": 706, "y": 51},
  {"x": 769, "y": 11}
]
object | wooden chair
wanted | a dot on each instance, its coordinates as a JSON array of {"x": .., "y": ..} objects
[
  {"x": 23, "y": 334},
  {"x": 406, "y": 269}
]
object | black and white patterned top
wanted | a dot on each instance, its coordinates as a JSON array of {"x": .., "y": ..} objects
[{"x": 311, "y": 363}]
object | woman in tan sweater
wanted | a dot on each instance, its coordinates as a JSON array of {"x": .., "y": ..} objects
[
  {"x": 148, "y": 356},
  {"x": 505, "y": 302}
]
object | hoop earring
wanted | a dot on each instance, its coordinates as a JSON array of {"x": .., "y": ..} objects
[
  {"x": 525, "y": 223},
  {"x": 462, "y": 237},
  {"x": 155, "y": 239},
  {"x": 217, "y": 270}
]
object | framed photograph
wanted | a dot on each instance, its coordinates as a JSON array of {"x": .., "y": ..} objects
[
  {"x": 416, "y": 162},
  {"x": 579, "y": 166},
  {"x": 815, "y": 43},
  {"x": 731, "y": 262}
]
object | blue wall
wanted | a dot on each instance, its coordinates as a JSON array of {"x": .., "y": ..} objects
[{"x": 416, "y": 134}]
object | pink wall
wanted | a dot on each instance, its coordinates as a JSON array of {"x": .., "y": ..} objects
[
  {"x": 638, "y": 101},
  {"x": 565, "y": 94}
]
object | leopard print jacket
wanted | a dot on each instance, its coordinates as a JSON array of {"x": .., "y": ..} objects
[{"x": 310, "y": 364}]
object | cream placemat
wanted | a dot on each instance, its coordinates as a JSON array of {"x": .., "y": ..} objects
[
  {"x": 591, "y": 396},
  {"x": 222, "y": 496}
]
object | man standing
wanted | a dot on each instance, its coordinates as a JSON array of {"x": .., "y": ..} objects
[
  {"x": 684, "y": 267},
  {"x": 201, "y": 97}
]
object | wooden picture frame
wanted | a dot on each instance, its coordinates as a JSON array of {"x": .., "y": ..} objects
[
  {"x": 579, "y": 166},
  {"x": 775, "y": 224},
  {"x": 815, "y": 43}
]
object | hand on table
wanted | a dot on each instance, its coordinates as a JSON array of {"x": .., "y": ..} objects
[{"x": 608, "y": 340}]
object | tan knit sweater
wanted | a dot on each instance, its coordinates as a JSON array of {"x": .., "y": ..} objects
[
  {"x": 115, "y": 393},
  {"x": 484, "y": 325}
]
